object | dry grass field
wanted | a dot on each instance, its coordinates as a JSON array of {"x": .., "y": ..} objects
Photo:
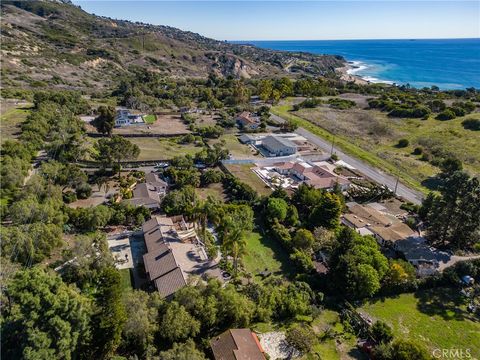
[{"x": 377, "y": 134}]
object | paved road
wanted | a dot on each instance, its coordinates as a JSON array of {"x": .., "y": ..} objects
[{"x": 368, "y": 170}]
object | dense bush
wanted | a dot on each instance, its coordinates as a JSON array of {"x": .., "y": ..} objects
[
  {"x": 471, "y": 124},
  {"x": 307, "y": 103},
  {"x": 447, "y": 114},
  {"x": 403, "y": 143},
  {"x": 341, "y": 104}
]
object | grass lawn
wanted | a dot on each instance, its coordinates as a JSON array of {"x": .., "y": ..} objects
[
  {"x": 437, "y": 317},
  {"x": 150, "y": 119},
  {"x": 162, "y": 149},
  {"x": 215, "y": 190},
  {"x": 12, "y": 116},
  {"x": 236, "y": 148},
  {"x": 341, "y": 345},
  {"x": 126, "y": 279},
  {"x": 245, "y": 174},
  {"x": 264, "y": 253}
]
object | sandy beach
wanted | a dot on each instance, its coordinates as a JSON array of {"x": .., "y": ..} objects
[{"x": 346, "y": 76}]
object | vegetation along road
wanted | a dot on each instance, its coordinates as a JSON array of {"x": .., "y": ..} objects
[{"x": 370, "y": 171}]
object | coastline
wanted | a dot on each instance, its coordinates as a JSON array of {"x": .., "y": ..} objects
[
  {"x": 349, "y": 73},
  {"x": 346, "y": 74}
]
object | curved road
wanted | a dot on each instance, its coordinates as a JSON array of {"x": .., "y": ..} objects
[{"x": 368, "y": 170}]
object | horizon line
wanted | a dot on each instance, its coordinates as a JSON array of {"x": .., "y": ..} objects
[{"x": 360, "y": 39}]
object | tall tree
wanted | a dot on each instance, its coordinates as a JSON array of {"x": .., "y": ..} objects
[
  {"x": 109, "y": 320},
  {"x": 177, "y": 324},
  {"x": 184, "y": 351},
  {"x": 233, "y": 239},
  {"x": 116, "y": 149},
  {"x": 105, "y": 121},
  {"x": 453, "y": 216},
  {"x": 44, "y": 318}
]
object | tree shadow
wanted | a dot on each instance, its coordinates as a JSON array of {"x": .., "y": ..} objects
[
  {"x": 432, "y": 183},
  {"x": 356, "y": 353},
  {"x": 447, "y": 303}
]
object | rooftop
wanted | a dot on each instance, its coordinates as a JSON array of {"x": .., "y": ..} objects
[
  {"x": 237, "y": 344},
  {"x": 174, "y": 250},
  {"x": 395, "y": 232},
  {"x": 371, "y": 216},
  {"x": 277, "y": 143}
]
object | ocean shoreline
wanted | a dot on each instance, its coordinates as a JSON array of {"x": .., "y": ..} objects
[
  {"x": 449, "y": 64},
  {"x": 348, "y": 73}
]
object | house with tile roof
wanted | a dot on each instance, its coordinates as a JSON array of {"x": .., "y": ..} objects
[
  {"x": 237, "y": 344},
  {"x": 320, "y": 177},
  {"x": 247, "y": 120},
  {"x": 174, "y": 253},
  {"x": 149, "y": 193}
]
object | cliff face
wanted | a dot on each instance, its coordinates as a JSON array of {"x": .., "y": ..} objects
[{"x": 58, "y": 44}]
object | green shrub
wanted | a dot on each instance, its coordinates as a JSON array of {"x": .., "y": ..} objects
[
  {"x": 471, "y": 124},
  {"x": 341, "y": 104},
  {"x": 307, "y": 103},
  {"x": 84, "y": 191},
  {"x": 418, "y": 150},
  {"x": 69, "y": 197},
  {"x": 448, "y": 114},
  {"x": 403, "y": 143}
]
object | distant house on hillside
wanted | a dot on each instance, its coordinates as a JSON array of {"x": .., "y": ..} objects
[
  {"x": 237, "y": 344},
  {"x": 150, "y": 193},
  {"x": 247, "y": 120},
  {"x": 125, "y": 118},
  {"x": 278, "y": 146}
]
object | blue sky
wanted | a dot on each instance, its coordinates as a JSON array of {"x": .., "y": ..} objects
[{"x": 303, "y": 20}]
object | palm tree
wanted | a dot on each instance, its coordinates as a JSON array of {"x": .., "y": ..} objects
[{"x": 234, "y": 243}]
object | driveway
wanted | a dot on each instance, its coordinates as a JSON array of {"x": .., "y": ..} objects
[{"x": 369, "y": 171}]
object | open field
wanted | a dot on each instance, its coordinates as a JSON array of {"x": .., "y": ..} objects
[
  {"x": 236, "y": 148},
  {"x": 263, "y": 254},
  {"x": 12, "y": 115},
  {"x": 164, "y": 125},
  {"x": 246, "y": 175},
  {"x": 436, "y": 317},
  {"x": 162, "y": 149},
  {"x": 215, "y": 190},
  {"x": 372, "y": 137}
]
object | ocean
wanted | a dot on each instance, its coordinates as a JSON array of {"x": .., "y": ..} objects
[{"x": 448, "y": 64}]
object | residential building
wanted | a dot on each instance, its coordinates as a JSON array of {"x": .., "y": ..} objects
[
  {"x": 320, "y": 177},
  {"x": 125, "y": 118},
  {"x": 386, "y": 229},
  {"x": 278, "y": 146},
  {"x": 174, "y": 253},
  {"x": 150, "y": 193},
  {"x": 390, "y": 234},
  {"x": 237, "y": 344},
  {"x": 247, "y": 120},
  {"x": 247, "y": 139}
]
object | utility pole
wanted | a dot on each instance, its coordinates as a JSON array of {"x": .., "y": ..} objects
[
  {"x": 396, "y": 184},
  {"x": 333, "y": 142}
]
